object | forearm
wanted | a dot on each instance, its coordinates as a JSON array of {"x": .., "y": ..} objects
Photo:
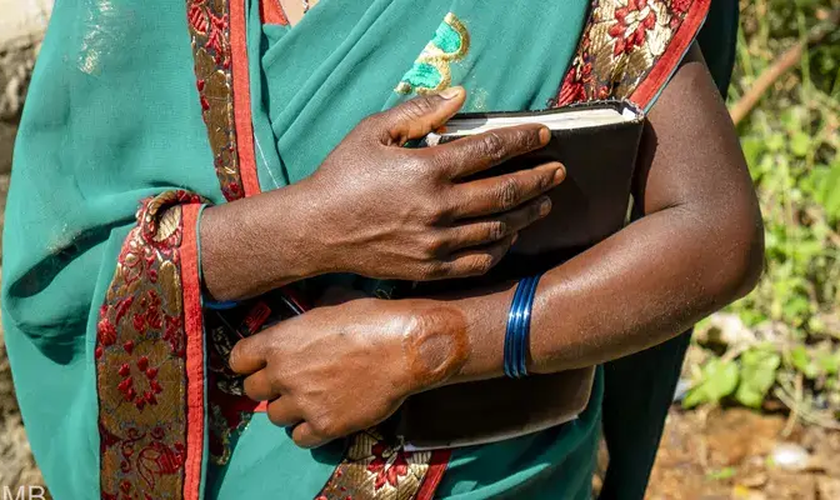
[
  {"x": 254, "y": 245},
  {"x": 645, "y": 284}
]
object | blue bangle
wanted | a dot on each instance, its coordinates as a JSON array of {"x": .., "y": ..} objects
[
  {"x": 514, "y": 316},
  {"x": 220, "y": 306},
  {"x": 517, "y": 335},
  {"x": 525, "y": 328}
]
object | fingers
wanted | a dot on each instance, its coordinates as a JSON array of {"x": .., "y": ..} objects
[
  {"x": 306, "y": 437},
  {"x": 477, "y": 153},
  {"x": 472, "y": 262},
  {"x": 246, "y": 356},
  {"x": 259, "y": 386},
  {"x": 488, "y": 231},
  {"x": 505, "y": 192},
  {"x": 282, "y": 412},
  {"x": 415, "y": 118}
]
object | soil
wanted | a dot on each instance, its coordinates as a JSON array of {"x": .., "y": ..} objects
[{"x": 723, "y": 454}]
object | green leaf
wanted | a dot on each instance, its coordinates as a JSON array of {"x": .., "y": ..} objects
[
  {"x": 800, "y": 144},
  {"x": 753, "y": 147},
  {"x": 829, "y": 362},
  {"x": 829, "y": 191},
  {"x": 775, "y": 142},
  {"x": 758, "y": 374},
  {"x": 801, "y": 360},
  {"x": 718, "y": 379}
]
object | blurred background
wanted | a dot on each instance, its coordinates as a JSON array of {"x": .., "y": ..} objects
[{"x": 757, "y": 413}]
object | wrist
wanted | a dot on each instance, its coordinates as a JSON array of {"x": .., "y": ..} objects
[
  {"x": 436, "y": 343},
  {"x": 254, "y": 245}
]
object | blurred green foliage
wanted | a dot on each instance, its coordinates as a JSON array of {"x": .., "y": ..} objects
[{"x": 791, "y": 142}]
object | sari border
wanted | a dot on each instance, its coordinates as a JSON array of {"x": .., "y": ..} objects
[
  {"x": 651, "y": 86},
  {"x": 437, "y": 467},
  {"x": 148, "y": 355},
  {"x": 242, "y": 98},
  {"x": 194, "y": 331}
]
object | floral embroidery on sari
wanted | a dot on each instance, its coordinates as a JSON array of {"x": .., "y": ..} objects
[
  {"x": 373, "y": 469},
  {"x": 220, "y": 71},
  {"x": 147, "y": 413},
  {"x": 630, "y": 48},
  {"x": 432, "y": 71}
]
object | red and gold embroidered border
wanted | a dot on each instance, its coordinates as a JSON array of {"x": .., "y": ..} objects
[
  {"x": 149, "y": 358},
  {"x": 374, "y": 470},
  {"x": 217, "y": 28},
  {"x": 630, "y": 48}
]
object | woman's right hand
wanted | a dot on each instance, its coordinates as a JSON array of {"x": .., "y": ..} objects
[
  {"x": 378, "y": 209},
  {"x": 386, "y": 211}
]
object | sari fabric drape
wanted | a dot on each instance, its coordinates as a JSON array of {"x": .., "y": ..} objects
[{"x": 171, "y": 105}]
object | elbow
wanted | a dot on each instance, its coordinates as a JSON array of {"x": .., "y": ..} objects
[{"x": 743, "y": 253}]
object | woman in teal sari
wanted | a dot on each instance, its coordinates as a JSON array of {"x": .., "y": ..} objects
[{"x": 120, "y": 322}]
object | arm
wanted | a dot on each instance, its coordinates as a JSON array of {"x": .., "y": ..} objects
[
  {"x": 698, "y": 247},
  {"x": 380, "y": 210}
]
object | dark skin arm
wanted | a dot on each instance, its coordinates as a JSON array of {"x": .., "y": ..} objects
[
  {"x": 380, "y": 210},
  {"x": 699, "y": 246}
]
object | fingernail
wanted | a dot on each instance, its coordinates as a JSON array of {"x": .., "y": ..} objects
[
  {"x": 545, "y": 135},
  {"x": 545, "y": 207},
  {"x": 451, "y": 92},
  {"x": 559, "y": 174}
]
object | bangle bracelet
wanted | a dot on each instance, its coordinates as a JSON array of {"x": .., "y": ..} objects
[
  {"x": 510, "y": 366},
  {"x": 517, "y": 335}
]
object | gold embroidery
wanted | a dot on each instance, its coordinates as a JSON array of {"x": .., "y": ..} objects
[
  {"x": 432, "y": 71},
  {"x": 373, "y": 470}
]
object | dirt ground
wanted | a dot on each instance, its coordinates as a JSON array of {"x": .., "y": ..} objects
[{"x": 730, "y": 454}]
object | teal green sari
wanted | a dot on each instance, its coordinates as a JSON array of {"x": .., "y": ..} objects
[{"x": 117, "y": 363}]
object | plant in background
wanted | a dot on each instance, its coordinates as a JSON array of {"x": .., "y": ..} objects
[{"x": 791, "y": 142}]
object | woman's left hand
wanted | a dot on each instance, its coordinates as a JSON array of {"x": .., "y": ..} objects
[{"x": 340, "y": 369}]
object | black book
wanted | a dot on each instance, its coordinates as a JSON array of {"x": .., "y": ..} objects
[{"x": 598, "y": 143}]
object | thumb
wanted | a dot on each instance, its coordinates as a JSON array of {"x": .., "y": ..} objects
[{"x": 415, "y": 118}]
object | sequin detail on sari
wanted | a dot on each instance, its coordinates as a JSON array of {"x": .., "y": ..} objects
[{"x": 432, "y": 70}]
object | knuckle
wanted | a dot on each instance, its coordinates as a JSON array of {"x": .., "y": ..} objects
[
  {"x": 544, "y": 181},
  {"x": 435, "y": 209},
  {"x": 275, "y": 418},
  {"x": 325, "y": 427},
  {"x": 497, "y": 230},
  {"x": 435, "y": 246},
  {"x": 481, "y": 264},
  {"x": 416, "y": 108},
  {"x": 530, "y": 139},
  {"x": 509, "y": 193},
  {"x": 493, "y": 146},
  {"x": 236, "y": 355},
  {"x": 431, "y": 271}
]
